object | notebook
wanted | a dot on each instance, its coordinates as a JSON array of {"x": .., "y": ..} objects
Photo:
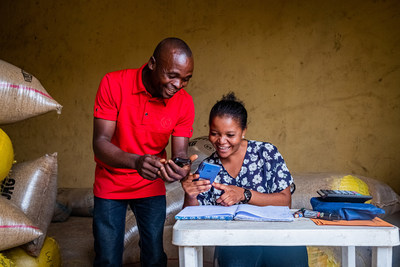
[{"x": 244, "y": 212}]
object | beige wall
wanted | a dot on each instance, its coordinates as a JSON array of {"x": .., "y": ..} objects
[{"x": 320, "y": 78}]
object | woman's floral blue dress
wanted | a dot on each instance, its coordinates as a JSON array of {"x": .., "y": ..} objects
[{"x": 263, "y": 170}]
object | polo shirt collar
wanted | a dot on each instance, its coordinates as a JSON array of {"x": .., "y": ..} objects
[{"x": 139, "y": 87}]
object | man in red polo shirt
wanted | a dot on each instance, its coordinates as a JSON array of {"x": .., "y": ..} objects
[{"x": 135, "y": 113}]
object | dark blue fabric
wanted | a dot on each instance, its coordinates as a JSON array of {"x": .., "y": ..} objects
[
  {"x": 261, "y": 256},
  {"x": 347, "y": 210},
  {"x": 109, "y": 230}
]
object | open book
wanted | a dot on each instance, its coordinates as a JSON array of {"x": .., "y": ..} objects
[{"x": 245, "y": 212}]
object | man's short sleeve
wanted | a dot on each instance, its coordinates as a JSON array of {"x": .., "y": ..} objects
[
  {"x": 105, "y": 106},
  {"x": 184, "y": 127}
]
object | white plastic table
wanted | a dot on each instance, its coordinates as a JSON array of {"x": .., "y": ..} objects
[{"x": 192, "y": 235}]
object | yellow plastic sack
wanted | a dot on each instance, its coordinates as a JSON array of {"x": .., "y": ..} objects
[
  {"x": 49, "y": 256},
  {"x": 321, "y": 258},
  {"x": 4, "y": 262},
  {"x": 6, "y": 155},
  {"x": 351, "y": 183}
]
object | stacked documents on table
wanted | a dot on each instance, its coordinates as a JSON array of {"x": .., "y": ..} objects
[{"x": 244, "y": 212}]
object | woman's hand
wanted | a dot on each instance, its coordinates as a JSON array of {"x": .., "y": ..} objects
[
  {"x": 231, "y": 196},
  {"x": 193, "y": 189}
]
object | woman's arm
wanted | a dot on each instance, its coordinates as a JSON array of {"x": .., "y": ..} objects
[
  {"x": 283, "y": 198},
  {"x": 234, "y": 194},
  {"x": 193, "y": 189}
]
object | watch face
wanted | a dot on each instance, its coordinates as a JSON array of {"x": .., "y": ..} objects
[{"x": 247, "y": 195}]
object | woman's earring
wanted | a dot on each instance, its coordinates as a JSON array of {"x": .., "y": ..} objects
[{"x": 243, "y": 136}]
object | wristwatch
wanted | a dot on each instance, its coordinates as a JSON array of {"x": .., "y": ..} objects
[{"x": 247, "y": 196}]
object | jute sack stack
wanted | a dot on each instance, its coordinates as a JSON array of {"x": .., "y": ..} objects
[
  {"x": 15, "y": 227},
  {"x": 22, "y": 95},
  {"x": 34, "y": 191}
]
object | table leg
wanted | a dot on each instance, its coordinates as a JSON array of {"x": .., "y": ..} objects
[
  {"x": 191, "y": 256},
  {"x": 349, "y": 256},
  {"x": 382, "y": 256}
]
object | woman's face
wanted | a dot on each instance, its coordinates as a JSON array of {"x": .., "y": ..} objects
[{"x": 226, "y": 135}]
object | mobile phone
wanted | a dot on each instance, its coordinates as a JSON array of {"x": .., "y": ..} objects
[
  {"x": 181, "y": 161},
  {"x": 208, "y": 171}
]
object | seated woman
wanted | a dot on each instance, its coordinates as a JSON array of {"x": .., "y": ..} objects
[{"x": 252, "y": 172}]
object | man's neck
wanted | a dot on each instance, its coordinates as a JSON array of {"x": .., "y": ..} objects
[{"x": 146, "y": 80}]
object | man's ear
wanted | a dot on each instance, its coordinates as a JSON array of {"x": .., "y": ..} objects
[{"x": 152, "y": 63}]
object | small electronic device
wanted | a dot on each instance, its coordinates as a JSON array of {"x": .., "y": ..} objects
[
  {"x": 181, "y": 161},
  {"x": 342, "y": 196},
  {"x": 208, "y": 171}
]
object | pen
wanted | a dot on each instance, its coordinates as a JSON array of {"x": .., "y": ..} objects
[
  {"x": 318, "y": 215},
  {"x": 298, "y": 214}
]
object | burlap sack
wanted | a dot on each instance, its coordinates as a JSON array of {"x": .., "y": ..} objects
[
  {"x": 175, "y": 196},
  {"x": 202, "y": 148},
  {"x": 34, "y": 191},
  {"x": 15, "y": 227},
  {"x": 307, "y": 185},
  {"x": 78, "y": 200},
  {"x": 22, "y": 96},
  {"x": 62, "y": 211}
]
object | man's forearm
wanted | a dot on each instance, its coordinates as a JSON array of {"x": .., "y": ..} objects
[{"x": 113, "y": 156}]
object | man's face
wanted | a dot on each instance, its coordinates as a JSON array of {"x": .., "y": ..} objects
[{"x": 171, "y": 73}]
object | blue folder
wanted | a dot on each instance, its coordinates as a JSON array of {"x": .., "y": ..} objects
[{"x": 346, "y": 210}]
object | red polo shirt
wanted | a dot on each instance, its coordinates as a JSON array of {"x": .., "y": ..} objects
[{"x": 144, "y": 125}]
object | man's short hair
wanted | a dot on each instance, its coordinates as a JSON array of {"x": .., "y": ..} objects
[{"x": 174, "y": 43}]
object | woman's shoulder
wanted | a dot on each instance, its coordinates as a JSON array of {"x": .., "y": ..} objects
[{"x": 254, "y": 146}]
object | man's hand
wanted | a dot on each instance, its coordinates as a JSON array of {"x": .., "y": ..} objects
[
  {"x": 148, "y": 166},
  {"x": 232, "y": 194},
  {"x": 172, "y": 172}
]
